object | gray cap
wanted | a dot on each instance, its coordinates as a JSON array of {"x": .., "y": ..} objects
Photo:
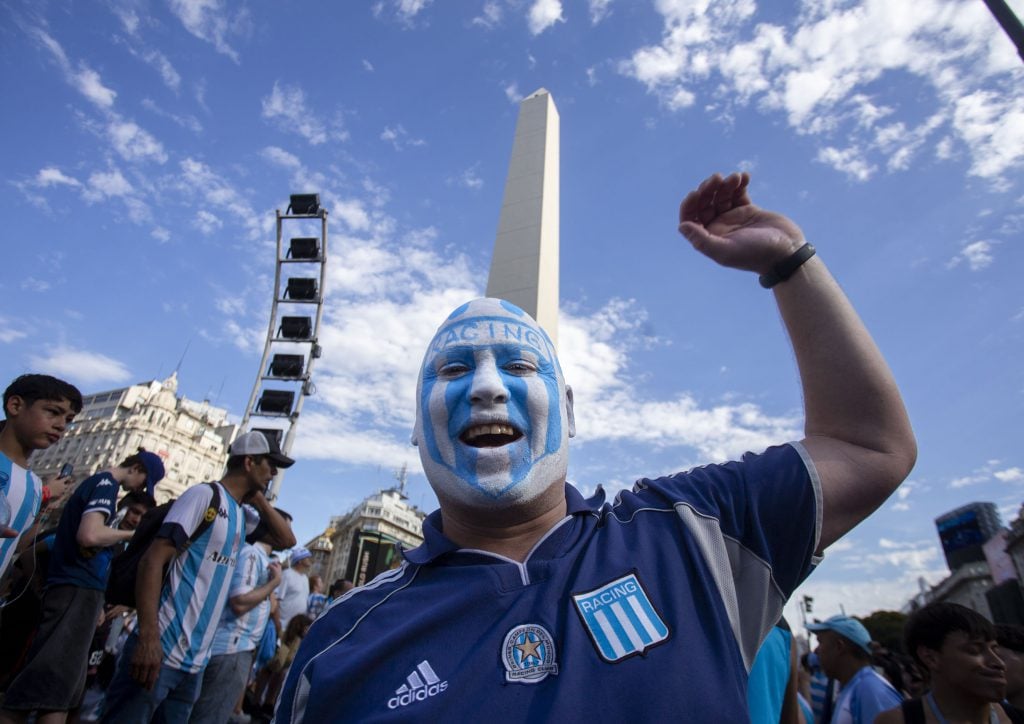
[{"x": 256, "y": 443}]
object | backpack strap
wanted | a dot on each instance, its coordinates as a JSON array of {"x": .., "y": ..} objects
[{"x": 208, "y": 518}]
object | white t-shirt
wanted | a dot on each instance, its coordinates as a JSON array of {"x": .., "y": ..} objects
[{"x": 293, "y": 595}]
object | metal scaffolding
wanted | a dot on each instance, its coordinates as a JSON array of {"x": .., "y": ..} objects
[{"x": 285, "y": 374}]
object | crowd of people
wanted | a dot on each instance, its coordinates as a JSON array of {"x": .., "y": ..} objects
[
  {"x": 127, "y": 611},
  {"x": 526, "y": 601}
]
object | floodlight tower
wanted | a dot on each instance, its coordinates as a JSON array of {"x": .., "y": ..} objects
[{"x": 292, "y": 345}]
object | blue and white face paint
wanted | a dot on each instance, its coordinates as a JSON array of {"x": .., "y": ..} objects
[{"x": 493, "y": 414}]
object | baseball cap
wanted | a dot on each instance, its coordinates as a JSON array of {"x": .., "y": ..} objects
[
  {"x": 848, "y": 628},
  {"x": 300, "y": 554},
  {"x": 256, "y": 443},
  {"x": 154, "y": 469}
]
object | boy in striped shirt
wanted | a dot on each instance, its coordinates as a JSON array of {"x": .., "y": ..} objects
[{"x": 37, "y": 409}]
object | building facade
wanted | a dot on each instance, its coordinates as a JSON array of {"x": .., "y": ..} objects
[
  {"x": 191, "y": 437},
  {"x": 360, "y": 542}
]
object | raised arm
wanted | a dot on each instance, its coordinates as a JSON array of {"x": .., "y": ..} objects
[{"x": 856, "y": 428}]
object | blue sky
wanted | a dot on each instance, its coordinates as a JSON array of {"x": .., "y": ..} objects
[{"x": 146, "y": 145}]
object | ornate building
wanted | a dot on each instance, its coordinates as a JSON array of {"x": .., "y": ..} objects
[
  {"x": 361, "y": 543},
  {"x": 191, "y": 437}
]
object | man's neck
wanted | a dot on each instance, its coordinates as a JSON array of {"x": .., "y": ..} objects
[
  {"x": 13, "y": 449},
  {"x": 956, "y": 706},
  {"x": 514, "y": 541},
  {"x": 236, "y": 485},
  {"x": 848, "y": 670}
]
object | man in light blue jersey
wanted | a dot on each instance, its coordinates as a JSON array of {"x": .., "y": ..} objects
[
  {"x": 162, "y": 662},
  {"x": 527, "y": 602},
  {"x": 240, "y": 629},
  {"x": 37, "y": 409}
]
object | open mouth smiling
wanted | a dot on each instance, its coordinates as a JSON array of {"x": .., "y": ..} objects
[{"x": 490, "y": 435}]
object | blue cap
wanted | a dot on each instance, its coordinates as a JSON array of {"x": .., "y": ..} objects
[
  {"x": 848, "y": 628},
  {"x": 154, "y": 469}
]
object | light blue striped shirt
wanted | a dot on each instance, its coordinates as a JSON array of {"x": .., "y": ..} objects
[
  {"x": 243, "y": 633},
  {"x": 24, "y": 492},
  {"x": 196, "y": 588}
]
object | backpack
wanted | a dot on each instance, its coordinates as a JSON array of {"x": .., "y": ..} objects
[{"x": 124, "y": 566}]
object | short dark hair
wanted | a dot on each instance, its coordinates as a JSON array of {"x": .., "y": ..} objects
[
  {"x": 261, "y": 533},
  {"x": 133, "y": 460},
  {"x": 137, "y": 497},
  {"x": 33, "y": 387},
  {"x": 236, "y": 462},
  {"x": 1010, "y": 637},
  {"x": 930, "y": 625}
]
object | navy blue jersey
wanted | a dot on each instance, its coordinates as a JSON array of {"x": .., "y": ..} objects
[
  {"x": 74, "y": 564},
  {"x": 649, "y": 609}
]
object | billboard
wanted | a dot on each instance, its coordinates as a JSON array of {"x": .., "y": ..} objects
[
  {"x": 371, "y": 554},
  {"x": 960, "y": 531}
]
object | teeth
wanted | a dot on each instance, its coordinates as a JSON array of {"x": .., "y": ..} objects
[{"x": 480, "y": 430}]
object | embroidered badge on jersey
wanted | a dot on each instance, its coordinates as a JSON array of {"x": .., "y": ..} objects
[
  {"x": 528, "y": 654},
  {"x": 620, "y": 618}
]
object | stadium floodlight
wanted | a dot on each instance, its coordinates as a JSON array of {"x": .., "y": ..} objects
[
  {"x": 296, "y": 327},
  {"x": 301, "y": 289},
  {"x": 304, "y": 247},
  {"x": 286, "y": 365},
  {"x": 276, "y": 402},
  {"x": 271, "y": 433},
  {"x": 304, "y": 204}
]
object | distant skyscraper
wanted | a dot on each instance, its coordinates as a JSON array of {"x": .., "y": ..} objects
[
  {"x": 964, "y": 531},
  {"x": 524, "y": 267}
]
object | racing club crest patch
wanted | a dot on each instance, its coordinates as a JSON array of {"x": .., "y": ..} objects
[
  {"x": 528, "y": 654},
  {"x": 620, "y": 618}
]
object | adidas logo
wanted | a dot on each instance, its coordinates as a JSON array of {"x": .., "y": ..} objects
[{"x": 420, "y": 685}]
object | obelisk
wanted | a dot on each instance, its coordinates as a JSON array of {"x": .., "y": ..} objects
[{"x": 524, "y": 266}]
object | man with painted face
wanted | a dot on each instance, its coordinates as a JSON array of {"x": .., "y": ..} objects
[{"x": 528, "y": 602}]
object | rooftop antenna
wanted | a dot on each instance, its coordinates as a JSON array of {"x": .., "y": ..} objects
[
  {"x": 400, "y": 475},
  {"x": 188, "y": 344}
]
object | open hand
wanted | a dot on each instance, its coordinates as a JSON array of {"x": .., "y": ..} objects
[{"x": 720, "y": 221}]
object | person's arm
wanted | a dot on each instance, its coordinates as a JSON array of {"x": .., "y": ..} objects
[
  {"x": 245, "y": 602},
  {"x": 94, "y": 533},
  {"x": 279, "y": 528},
  {"x": 149, "y": 653},
  {"x": 856, "y": 429}
]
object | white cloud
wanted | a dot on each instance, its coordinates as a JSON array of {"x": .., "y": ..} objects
[
  {"x": 107, "y": 184},
  {"x": 161, "y": 234},
  {"x": 599, "y": 10},
  {"x": 9, "y": 333},
  {"x": 543, "y": 14},
  {"x": 398, "y": 137},
  {"x": 286, "y": 107},
  {"x": 977, "y": 254},
  {"x": 1010, "y": 475},
  {"x": 490, "y": 15},
  {"x": 470, "y": 178},
  {"x": 367, "y": 65},
  {"x": 211, "y": 21},
  {"x": 512, "y": 93},
  {"x": 408, "y": 9},
  {"x": 207, "y": 223},
  {"x": 828, "y": 71},
  {"x": 52, "y": 176},
  {"x": 198, "y": 181},
  {"x": 133, "y": 143},
  {"x": 185, "y": 121},
  {"x": 280, "y": 157},
  {"x": 83, "y": 78},
  {"x": 849, "y": 160},
  {"x": 32, "y": 284},
  {"x": 80, "y": 365}
]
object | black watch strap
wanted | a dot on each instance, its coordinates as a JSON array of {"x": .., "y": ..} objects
[{"x": 787, "y": 267}]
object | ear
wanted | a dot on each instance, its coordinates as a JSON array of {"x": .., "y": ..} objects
[
  {"x": 569, "y": 411},
  {"x": 15, "y": 405},
  {"x": 929, "y": 657}
]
